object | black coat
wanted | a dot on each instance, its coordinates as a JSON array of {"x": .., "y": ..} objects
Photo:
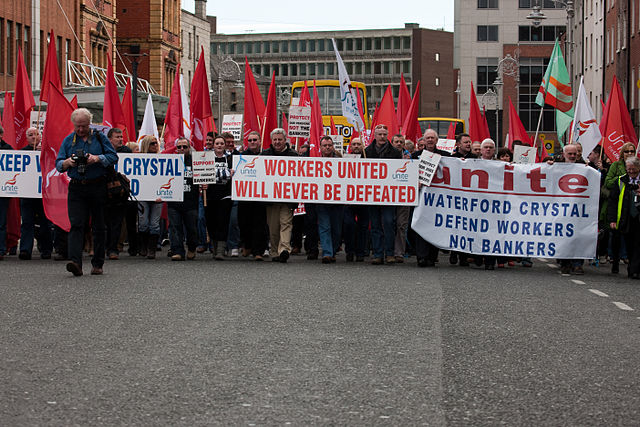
[
  {"x": 627, "y": 199},
  {"x": 388, "y": 151}
]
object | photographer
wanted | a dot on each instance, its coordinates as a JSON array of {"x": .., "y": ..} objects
[
  {"x": 85, "y": 155},
  {"x": 624, "y": 212}
]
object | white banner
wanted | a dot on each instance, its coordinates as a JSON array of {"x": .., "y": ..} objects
[
  {"x": 489, "y": 207},
  {"x": 325, "y": 180},
  {"x": 524, "y": 154},
  {"x": 233, "y": 123},
  {"x": 154, "y": 176},
  {"x": 299, "y": 121},
  {"x": 20, "y": 174}
]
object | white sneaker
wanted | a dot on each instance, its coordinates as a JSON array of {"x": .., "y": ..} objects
[
  {"x": 266, "y": 253},
  {"x": 234, "y": 252}
]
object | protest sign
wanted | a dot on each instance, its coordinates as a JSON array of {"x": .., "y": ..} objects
[
  {"x": 299, "y": 121},
  {"x": 20, "y": 174},
  {"x": 325, "y": 180},
  {"x": 338, "y": 141},
  {"x": 37, "y": 120},
  {"x": 427, "y": 167},
  {"x": 448, "y": 145},
  {"x": 233, "y": 123},
  {"x": 154, "y": 176},
  {"x": 494, "y": 208},
  {"x": 203, "y": 164},
  {"x": 524, "y": 154}
]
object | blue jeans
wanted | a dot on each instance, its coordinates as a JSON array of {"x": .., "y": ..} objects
[
  {"x": 233, "y": 239},
  {"x": 329, "y": 227},
  {"x": 356, "y": 229},
  {"x": 202, "y": 225},
  {"x": 383, "y": 230},
  {"x": 32, "y": 212},
  {"x": 181, "y": 219},
  {"x": 4, "y": 210},
  {"x": 149, "y": 218}
]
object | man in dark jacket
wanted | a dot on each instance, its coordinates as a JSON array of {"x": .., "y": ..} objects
[
  {"x": 383, "y": 218},
  {"x": 280, "y": 215},
  {"x": 184, "y": 215}
]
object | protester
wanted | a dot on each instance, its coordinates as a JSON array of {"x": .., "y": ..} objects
[
  {"x": 183, "y": 216},
  {"x": 475, "y": 148},
  {"x": 505, "y": 155},
  {"x": 280, "y": 215},
  {"x": 85, "y": 156},
  {"x": 402, "y": 212},
  {"x": 382, "y": 217},
  {"x": 330, "y": 216},
  {"x": 218, "y": 208},
  {"x": 233, "y": 235},
  {"x": 624, "y": 213},
  {"x": 575, "y": 266},
  {"x": 356, "y": 220},
  {"x": 463, "y": 147},
  {"x": 487, "y": 149},
  {"x": 252, "y": 216},
  {"x": 150, "y": 212}
]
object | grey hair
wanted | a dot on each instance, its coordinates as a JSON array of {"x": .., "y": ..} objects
[
  {"x": 278, "y": 131},
  {"x": 488, "y": 141},
  {"x": 632, "y": 161},
  {"x": 564, "y": 149},
  {"x": 81, "y": 112}
]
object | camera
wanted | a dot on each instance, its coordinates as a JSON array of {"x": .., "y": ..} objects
[{"x": 81, "y": 161}]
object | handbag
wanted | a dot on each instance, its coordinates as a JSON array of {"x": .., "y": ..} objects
[{"x": 118, "y": 187}]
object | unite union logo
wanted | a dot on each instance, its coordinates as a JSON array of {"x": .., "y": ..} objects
[
  {"x": 249, "y": 168},
  {"x": 165, "y": 189},
  {"x": 401, "y": 173},
  {"x": 10, "y": 186}
]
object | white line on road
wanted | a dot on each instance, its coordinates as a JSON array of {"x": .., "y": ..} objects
[
  {"x": 599, "y": 293},
  {"x": 553, "y": 265},
  {"x": 578, "y": 282},
  {"x": 623, "y": 306}
]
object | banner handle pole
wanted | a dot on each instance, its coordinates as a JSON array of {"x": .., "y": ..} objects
[{"x": 535, "y": 141}]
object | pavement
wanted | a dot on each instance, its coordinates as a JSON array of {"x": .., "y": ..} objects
[{"x": 239, "y": 342}]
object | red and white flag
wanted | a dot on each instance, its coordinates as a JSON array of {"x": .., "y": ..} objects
[{"x": 585, "y": 130}]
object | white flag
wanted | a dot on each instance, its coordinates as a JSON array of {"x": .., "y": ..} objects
[
  {"x": 149, "y": 125},
  {"x": 348, "y": 94},
  {"x": 585, "y": 130},
  {"x": 186, "y": 129}
]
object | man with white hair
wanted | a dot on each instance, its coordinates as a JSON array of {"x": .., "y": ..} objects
[
  {"x": 488, "y": 149},
  {"x": 85, "y": 157}
]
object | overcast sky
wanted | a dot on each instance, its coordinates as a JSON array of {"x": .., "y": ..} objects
[{"x": 280, "y": 16}]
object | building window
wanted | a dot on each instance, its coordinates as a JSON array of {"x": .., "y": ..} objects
[
  {"x": 368, "y": 43},
  {"x": 330, "y": 69},
  {"x": 248, "y": 48},
  {"x": 303, "y": 45},
  {"x": 294, "y": 69},
  {"x": 437, "y": 81},
  {"x": 377, "y": 43},
  {"x": 437, "y": 57},
  {"x": 285, "y": 47},
  {"x": 266, "y": 47},
  {"x": 387, "y": 67},
  {"x": 406, "y": 67},
  {"x": 546, "y": 33},
  {"x": 312, "y": 69},
  {"x": 531, "y": 72},
  {"x": 312, "y": 45},
  {"x": 275, "y": 47},
  {"x": 303, "y": 69},
  {"x": 10, "y": 53},
  {"x": 239, "y": 49},
  {"x": 320, "y": 70},
  {"x": 321, "y": 45},
  {"x": 487, "y": 33},
  {"x": 2, "y": 49},
  {"x": 377, "y": 68},
  {"x": 358, "y": 68},
  {"x": 487, "y": 4},
  {"x": 367, "y": 68},
  {"x": 437, "y": 105},
  {"x": 396, "y": 43},
  {"x": 486, "y": 74},
  {"x": 358, "y": 44},
  {"x": 294, "y": 45},
  {"x": 387, "y": 43},
  {"x": 406, "y": 42},
  {"x": 349, "y": 44},
  {"x": 546, "y": 4}
]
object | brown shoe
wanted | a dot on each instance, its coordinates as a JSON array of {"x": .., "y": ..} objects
[
  {"x": 96, "y": 271},
  {"x": 258, "y": 258},
  {"x": 390, "y": 260},
  {"x": 191, "y": 255},
  {"x": 376, "y": 261},
  {"x": 326, "y": 260},
  {"x": 113, "y": 257},
  {"x": 295, "y": 251},
  {"x": 74, "y": 268},
  {"x": 246, "y": 252},
  {"x": 399, "y": 259}
]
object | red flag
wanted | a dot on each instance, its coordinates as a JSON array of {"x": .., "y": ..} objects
[
  {"x": 271, "y": 114},
  {"x": 112, "y": 115},
  {"x": 411, "y": 127},
  {"x": 200, "y": 106},
  {"x": 55, "y": 185},
  {"x": 13, "y": 223},
  {"x": 285, "y": 123},
  {"x": 253, "y": 103},
  {"x": 616, "y": 126},
  {"x": 485, "y": 124},
  {"x": 451, "y": 132},
  {"x": 127, "y": 110},
  {"x": 385, "y": 114},
  {"x": 516, "y": 128},
  {"x": 51, "y": 74},
  {"x": 334, "y": 131},
  {"x": 541, "y": 152},
  {"x": 8, "y": 124},
  {"x": 173, "y": 120},
  {"x": 74, "y": 101},
  {"x": 317, "y": 128},
  {"x": 404, "y": 100},
  {"x": 23, "y": 102},
  {"x": 476, "y": 121}
]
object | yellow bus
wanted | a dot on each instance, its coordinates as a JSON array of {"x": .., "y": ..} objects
[
  {"x": 329, "y": 94},
  {"x": 441, "y": 125}
]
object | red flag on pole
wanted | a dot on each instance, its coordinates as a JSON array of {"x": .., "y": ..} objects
[
  {"x": 127, "y": 110},
  {"x": 271, "y": 114},
  {"x": 411, "y": 127},
  {"x": 404, "y": 100},
  {"x": 112, "y": 115},
  {"x": 57, "y": 125},
  {"x": 485, "y": 123},
  {"x": 385, "y": 114},
  {"x": 200, "y": 106},
  {"x": 317, "y": 128},
  {"x": 173, "y": 120},
  {"x": 516, "y": 128},
  {"x": 74, "y": 101},
  {"x": 253, "y": 104},
  {"x": 451, "y": 132},
  {"x": 8, "y": 123},
  {"x": 334, "y": 131},
  {"x": 616, "y": 126},
  {"x": 51, "y": 74},
  {"x": 477, "y": 123},
  {"x": 285, "y": 123},
  {"x": 23, "y": 103}
]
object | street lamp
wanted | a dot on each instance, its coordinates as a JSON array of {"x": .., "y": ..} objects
[
  {"x": 227, "y": 70},
  {"x": 488, "y": 98}
]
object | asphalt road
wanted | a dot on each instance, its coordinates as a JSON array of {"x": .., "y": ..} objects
[{"x": 244, "y": 343}]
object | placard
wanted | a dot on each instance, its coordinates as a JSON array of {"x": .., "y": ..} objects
[
  {"x": 154, "y": 176},
  {"x": 448, "y": 145},
  {"x": 299, "y": 122},
  {"x": 524, "y": 154},
  {"x": 427, "y": 168},
  {"x": 20, "y": 174},
  {"x": 203, "y": 165},
  {"x": 37, "y": 120},
  {"x": 338, "y": 141},
  {"x": 233, "y": 123}
]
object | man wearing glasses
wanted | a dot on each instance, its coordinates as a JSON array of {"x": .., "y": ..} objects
[
  {"x": 85, "y": 157},
  {"x": 184, "y": 215},
  {"x": 252, "y": 216}
]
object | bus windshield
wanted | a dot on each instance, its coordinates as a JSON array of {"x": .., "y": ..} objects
[{"x": 329, "y": 98}]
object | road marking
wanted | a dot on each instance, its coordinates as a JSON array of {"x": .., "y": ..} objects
[
  {"x": 553, "y": 265},
  {"x": 597, "y": 292},
  {"x": 623, "y": 306},
  {"x": 578, "y": 282}
]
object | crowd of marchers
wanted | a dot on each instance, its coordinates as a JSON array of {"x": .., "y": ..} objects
[{"x": 207, "y": 220}]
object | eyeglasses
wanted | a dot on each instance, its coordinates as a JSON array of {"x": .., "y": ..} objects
[
  {"x": 629, "y": 151},
  {"x": 253, "y": 140},
  {"x": 182, "y": 147}
]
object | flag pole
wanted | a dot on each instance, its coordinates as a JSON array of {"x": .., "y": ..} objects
[{"x": 535, "y": 141}]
